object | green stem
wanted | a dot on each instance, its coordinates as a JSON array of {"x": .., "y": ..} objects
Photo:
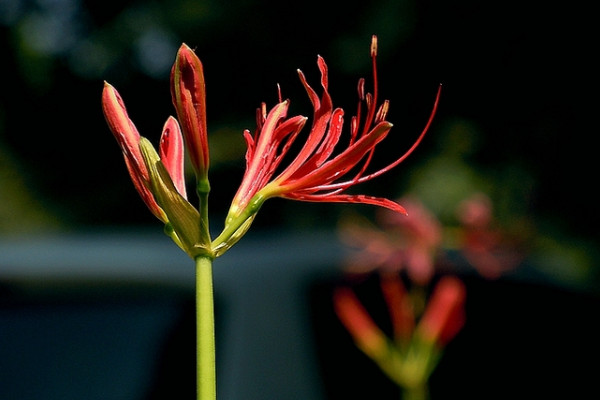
[
  {"x": 205, "y": 331},
  {"x": 203, "y": 189}
]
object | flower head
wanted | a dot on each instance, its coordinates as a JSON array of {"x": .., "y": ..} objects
[
  {"x": 316, "y": 173},
  {"x": 159, "y": 176}
]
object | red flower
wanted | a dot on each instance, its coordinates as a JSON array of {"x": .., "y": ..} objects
[
  {"x": 128, "y": 138},
  {"x": 316, "y": 174}
]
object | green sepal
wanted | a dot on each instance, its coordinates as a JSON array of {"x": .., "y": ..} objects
[{"x": 182, "y": 216}]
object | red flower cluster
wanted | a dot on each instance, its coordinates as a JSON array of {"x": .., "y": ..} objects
[{"x": 322, "y": 170}]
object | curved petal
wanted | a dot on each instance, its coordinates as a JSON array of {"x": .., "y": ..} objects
[
  {"x": 142, "y": 184},
  {"x": 321, "y": 119},
  {"x": 128, "y": 138},
  {"x": 171, "y": 151},
  {"x": 342, "y": 163},
  {"x": 349, "y": 198},
  {"x": 264, "y": 155},
  {"x": 118, "y": 120}
]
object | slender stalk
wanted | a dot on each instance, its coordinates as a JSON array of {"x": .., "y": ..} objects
[
  {"x": 205, "y": 331},
  {"x": 203, "y": 189}
]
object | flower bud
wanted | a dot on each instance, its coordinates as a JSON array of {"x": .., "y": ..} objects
[{"x": 189, "y": 98}]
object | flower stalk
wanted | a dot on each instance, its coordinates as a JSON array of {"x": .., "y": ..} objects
[{"x": 205, "y": 331}]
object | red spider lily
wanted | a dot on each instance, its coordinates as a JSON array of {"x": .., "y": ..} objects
[
  {"x": 316, "y": 174},
  {"x": 128, "y": 138}
]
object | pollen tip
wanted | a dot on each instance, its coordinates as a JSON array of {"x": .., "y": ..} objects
[{"x": 374, "y": 46}]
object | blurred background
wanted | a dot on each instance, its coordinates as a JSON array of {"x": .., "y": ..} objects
[{"x": 84, "y": 267}]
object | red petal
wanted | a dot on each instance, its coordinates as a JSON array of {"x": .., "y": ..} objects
[
  {"x": 348, "y": 198},
  {"x": 171, "y": 152}
]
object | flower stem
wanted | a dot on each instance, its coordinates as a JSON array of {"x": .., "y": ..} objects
[
  {"x": 205, "y": 331},
  {"x": 203, "y": 189}
]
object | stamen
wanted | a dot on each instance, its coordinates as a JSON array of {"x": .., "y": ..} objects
[
  {"x": 372, "y": 101},
  {"x": 361, "y": 89},
  {"x": 353, "y": 129},
  {"x": 261, "y": 116},
  {"x": 374, "y": 46},
  {"x": 382, "y": 112},
  {"x": 370, "y": 108}
]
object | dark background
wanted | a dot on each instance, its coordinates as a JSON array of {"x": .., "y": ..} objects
[
  {"x": 516, "y": 108},
  {"x": 515, "y": 121}
]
